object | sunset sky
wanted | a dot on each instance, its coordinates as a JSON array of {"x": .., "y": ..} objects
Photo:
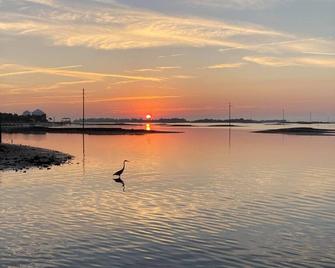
[{"x": 185, "y": 58}]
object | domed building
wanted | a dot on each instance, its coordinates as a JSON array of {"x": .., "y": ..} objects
[
  {"x": 39, "y": 115},
  {"x": 26, "y": 113},
  {"x": 38, "y": 112}
]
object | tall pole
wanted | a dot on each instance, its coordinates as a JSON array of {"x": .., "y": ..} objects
[
  {"x": 0, "y": 129},
  {"x": 284, "y": 116},
  {"x": 83, "y": 131},
  {"x": 229, "y": 114},
  {"x": 83, "y": 109}
]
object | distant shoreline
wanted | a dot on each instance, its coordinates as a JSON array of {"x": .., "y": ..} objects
[
  {"x": 21, "y": 157},
  {"x": 86, "y": 130}
]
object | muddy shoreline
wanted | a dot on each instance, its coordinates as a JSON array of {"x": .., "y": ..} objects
[
  {"x": 21, "y": 157},
  {"x": 306, "y": 131}
]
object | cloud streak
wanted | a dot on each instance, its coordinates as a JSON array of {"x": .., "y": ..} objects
[
  {"x": 114, "y": 27},
  {"x": 158, "y": 69},
  {"x": 135, "y": 98},
  {"x": 111, "y": 26},
  {"x": 64, "y": 99},
  {"x": 67, "y": 72},
  {"x": 295, "y": 45},
  {"x": 236, "y": 4},
  {"x": 291, "y": 61},
  {"x": 226, "y": 66}
]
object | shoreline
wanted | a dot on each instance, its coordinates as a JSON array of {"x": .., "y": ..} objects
[{"x": 21, "y": 157}]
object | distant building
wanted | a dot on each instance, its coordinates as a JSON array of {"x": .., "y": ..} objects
[
  {"x": 38, "y": 112},
  {"x": 26, "y": 113},
  {"x": 39, "y": 116}
]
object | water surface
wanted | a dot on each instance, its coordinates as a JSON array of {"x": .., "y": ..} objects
[{"x": 210, "y": 197}]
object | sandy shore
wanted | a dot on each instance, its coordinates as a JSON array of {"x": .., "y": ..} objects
[{"x": 20, "y": 157}]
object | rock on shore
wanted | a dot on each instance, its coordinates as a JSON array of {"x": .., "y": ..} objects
[{"x": 20, "y": 157}]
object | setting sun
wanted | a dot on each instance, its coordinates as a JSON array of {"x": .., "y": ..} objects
[{"x": 148, "y": 117}]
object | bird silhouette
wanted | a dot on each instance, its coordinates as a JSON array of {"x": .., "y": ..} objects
[{"x": 119, "y": 173}]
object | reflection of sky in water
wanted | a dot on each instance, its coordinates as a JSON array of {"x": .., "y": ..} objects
[{"x": 201, "y": 198}]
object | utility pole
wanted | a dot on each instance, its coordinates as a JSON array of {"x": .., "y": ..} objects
[
  {"x": 83, "y": 135},
  {"x": 284, "y": 115},
  {"x": 83, "y": 110},
  {"x": 0, "y": 129},
  {"x": 310, "y": 117},
  {"x": 229, "y": 114}
]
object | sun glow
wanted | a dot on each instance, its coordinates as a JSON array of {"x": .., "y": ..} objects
[{"x": 148, "y": 117}]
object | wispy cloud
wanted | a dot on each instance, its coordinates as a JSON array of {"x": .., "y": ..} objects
[
  {"x": 74, "y": 99},
  {"x": 115, "y": 27},
  {"x": 51, "y": 3},
  {"x": 158, "y": 69},
  {"x": 169, "y": 67},
  {"x": 122, "y": 82},
  {"x": 135, "y": 98},
  {"x": 295, "y": 45},
  {"x": 22, "y": 70},
  {"x": 226, "y": 66},
  {"x": 62, "y": 84},
  {"x": 285, "y": 62},
  {"x": 67, "y": 72},
  {"x": 171, "y": 55},
  {"x": 111, "y": 26},
  {"x": 184, "y": 76},
  {"x": 320, "y": 53},
  {"x": 148, "y": 70},
  {"x": 236, "y": 4}
]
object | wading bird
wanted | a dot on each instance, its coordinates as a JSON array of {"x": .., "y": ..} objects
[{"x": 119, "y": 173}]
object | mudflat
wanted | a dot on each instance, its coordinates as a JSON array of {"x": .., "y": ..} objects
[
  {"x": 300, "y": 131},
  {"x": 21, "y": 157}
]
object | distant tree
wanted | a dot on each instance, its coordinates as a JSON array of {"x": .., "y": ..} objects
[{"x": 7, "y": 118}]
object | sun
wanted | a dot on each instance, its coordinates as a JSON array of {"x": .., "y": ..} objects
[{"x": 148, "y": 117}]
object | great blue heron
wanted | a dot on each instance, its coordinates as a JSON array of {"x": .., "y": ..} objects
[{"x": 119, "y": 173}]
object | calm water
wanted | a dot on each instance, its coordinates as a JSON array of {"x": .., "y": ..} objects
[{"x": 204, "y": 198}]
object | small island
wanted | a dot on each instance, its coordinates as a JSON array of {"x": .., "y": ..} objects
[
  {"x": 21, "y": 157},
  {"x": 307, "y": 131}
]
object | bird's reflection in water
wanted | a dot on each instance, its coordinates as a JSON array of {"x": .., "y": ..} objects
[{"x": 119, "y": 180}]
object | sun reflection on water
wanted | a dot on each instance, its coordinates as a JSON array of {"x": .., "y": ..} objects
[{"x": 147, "y": 127}]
